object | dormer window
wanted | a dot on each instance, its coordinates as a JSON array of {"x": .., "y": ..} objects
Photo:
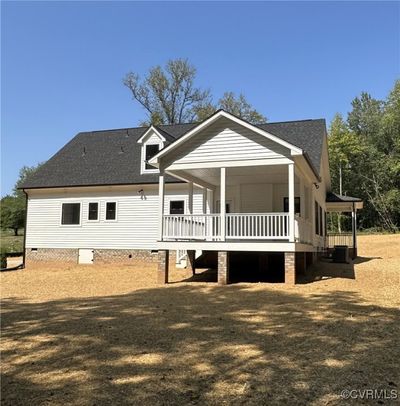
[
  {"x": 150, "y": 151},
  {"x": 152, "y": 142}
]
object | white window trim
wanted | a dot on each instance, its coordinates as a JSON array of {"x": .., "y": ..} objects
[
  {"x": 143, "y": 169},
  {"x": 149, "y": 131},
  {"x": 98, "y": 212},
  {"x": 80, "y": 214},
  {"x": 116, "y": 211}
]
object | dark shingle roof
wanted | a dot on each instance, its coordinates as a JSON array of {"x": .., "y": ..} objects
[
  {"x": 335, "y": 198},
  {"x": 112, "y": 157},
  {"x": 305, "y": 134}
]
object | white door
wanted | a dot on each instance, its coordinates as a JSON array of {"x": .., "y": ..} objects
[{"x": 85, "y": 256}]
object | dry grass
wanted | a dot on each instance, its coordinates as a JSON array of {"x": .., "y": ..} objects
[{"x": 111, "y": 336}]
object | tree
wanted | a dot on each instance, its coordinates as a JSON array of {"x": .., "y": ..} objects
[
  {"x": 345, "y": 153},
  {"x": 390, "y": 124},
  {"x": 24, "y": 173},
  {"x": 12, "y": 213},
  {"x": 13, "y": 206},
  {"x": 240, "y": 107},
  {"x": 365, "y": 117},
  {"x": 170, "y": 97},
  {"x": 168, "y": 94},
  {"x": 367, "y": 147}
]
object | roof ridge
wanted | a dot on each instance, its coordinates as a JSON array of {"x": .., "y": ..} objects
[
  {"x": 133, "y": 128},
  {"x": 194, "y": 123},
  {"x": 114, "y": 129},
  {"x": 168, "y": 125},
  {"x": 293, "y": 121}
]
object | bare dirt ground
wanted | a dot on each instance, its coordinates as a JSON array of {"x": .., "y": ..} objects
[{"x": 110, "y": 336}]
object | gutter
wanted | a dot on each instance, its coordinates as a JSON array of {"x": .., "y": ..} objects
[
  {"x": 25, "y": 224},
  {"x": 23, "y": 188}
]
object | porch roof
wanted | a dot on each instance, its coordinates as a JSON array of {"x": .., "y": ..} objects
[{"x": 336, "y": 202}]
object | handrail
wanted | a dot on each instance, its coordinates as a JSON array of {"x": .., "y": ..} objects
[
  {"x": 272, "y": 226},
  {"x": 333, "y": 239}
]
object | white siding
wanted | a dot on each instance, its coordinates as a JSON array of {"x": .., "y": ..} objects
[
  {"x": 226, "y": 141},
  {"x": 182, "y": 194},
  {"x": 136, "y": 226},
  {"x": 256, "y": 198},
  {"x": 153, "y": 138},
  {"x": 280, "y": 191}
]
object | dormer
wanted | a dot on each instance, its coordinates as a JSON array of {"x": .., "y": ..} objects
[{"x": 152, "y": 142}]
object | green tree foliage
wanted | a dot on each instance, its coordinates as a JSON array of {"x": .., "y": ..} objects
[
  {"x": 24, "y": 173},
  {"x": 240, "y": 107},
  {"x": 365, "y": 117},
  {"x": 12, "y": 213},
  {"x": 13, "y": 206},
  {"x": 169, "y": 96},
  {"x": 366, "y": 146}
]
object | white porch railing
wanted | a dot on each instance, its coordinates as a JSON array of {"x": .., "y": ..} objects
[
  {"x": 256, "y": 226},
  {"x": 192, "y": 227},
  {"x": 333, "y": 239}
]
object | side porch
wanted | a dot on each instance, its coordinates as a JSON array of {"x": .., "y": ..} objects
[{"x": 258, "y": 208}]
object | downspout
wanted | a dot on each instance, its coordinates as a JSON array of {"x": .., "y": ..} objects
[
  {"x": 354, "y": 224},
  {"x": 25, "y": 225}
]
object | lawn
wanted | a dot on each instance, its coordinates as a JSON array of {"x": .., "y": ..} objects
[
  {"x": 111, "y": 336},
  {"x": 10, "y": 242}
]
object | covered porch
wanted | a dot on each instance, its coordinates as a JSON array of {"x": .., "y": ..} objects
[
  {"x": 343, "y": 204},
  {"x": 257, "y": 188},
  {"x": 254, "y": 203}
]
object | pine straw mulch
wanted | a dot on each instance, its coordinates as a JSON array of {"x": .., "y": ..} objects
[{"x": 110, "y": 336}]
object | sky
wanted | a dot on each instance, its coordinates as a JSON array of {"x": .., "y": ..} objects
[{"x": 62, "y": 63}]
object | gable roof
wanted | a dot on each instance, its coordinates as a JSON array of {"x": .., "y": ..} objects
[
  {"x": 113, "y": 157},
  {"x": 213, "y": 118}
]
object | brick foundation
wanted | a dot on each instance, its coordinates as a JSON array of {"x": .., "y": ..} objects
[
  {"x": 191, "y": 259},
  {"x": 124, "y": 256},
  {"x": 223, "y": 267},
  {"x": 162, "y": 267},
  {"x": 51, "y": 255},
  {"x": 100, "y": 256},
  {"x": 290, "y": 268}
]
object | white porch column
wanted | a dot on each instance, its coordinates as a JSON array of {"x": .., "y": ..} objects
[
  {"x": 204, "y": 207},
  {"x": 354, "y": 229},
  {"x": 291, "y": 201},
  {"x": 161, "y": 192},
  {"x": 223, "y": 202},
  {"x": 190, "y": 198}
]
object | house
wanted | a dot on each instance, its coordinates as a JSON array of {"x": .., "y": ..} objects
[{"x": 218, "y": 187}]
